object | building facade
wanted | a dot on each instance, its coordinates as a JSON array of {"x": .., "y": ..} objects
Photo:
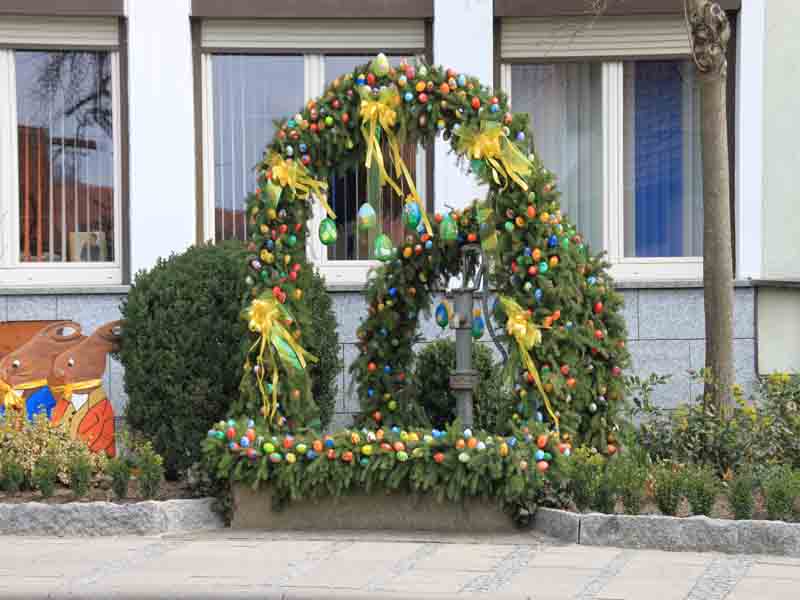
[{"x": 129, "y": 131}]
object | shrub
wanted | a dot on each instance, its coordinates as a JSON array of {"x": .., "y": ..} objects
[
  {"x": 13, "y": 476},
  {"x": 45, "y": 474},
  {"x": 583, "y": 475},
  {"x": 740, "y": 495},
  {"x": 433, "y": 367},
  {"x": 151, "y": 470},
  {"x": 80, "y": 474},
  {"x": 781, "y": 486},
  {"x": 120, "y": 472},
  {"x": 667, "y": 481},
  {"x": 605, "y": 498},
  {"x": 26, "y": 446},
  {"x": 629, "y": 478},
  {"x": 183, "y": 353},
  {"x": 779, "y": 398},
  {"x": 702, "y": 486}
]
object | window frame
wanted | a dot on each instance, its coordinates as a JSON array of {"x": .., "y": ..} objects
[
  {"x": 623, "y": 268},
  {"x": 343, "y": 273},
  {"x": 14, "y": 272}
]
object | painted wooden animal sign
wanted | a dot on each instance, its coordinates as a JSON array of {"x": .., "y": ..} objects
[{"x": 59, "y": 372}]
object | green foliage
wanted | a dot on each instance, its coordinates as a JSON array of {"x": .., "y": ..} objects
[
  {"x": 584, "y": 474},
  {"x": 151, "y": 470},
  {"x": 779, "y": 402},
  {"x": 448, "y": 466},
  {"x": 44, "y": 476},
  {"x": 740, "y": 495},
  {"x": 702, "y": 485},
  {"x": 80, "y": 474},
  {"x": 13, "y": 475},
  {"x": 433, "y": 367},
  {"x": 629, "y": 477},
  {"x": 119, "y": 470},
  {"x": 668, "y": 488},
  {"x": 183, "y": 354},
  {"x": 781, "y": 487}
]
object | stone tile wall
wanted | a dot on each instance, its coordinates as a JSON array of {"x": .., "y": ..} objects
[{"x": 665, "y": 329}]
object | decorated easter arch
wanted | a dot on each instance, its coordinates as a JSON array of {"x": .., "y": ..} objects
[{"x": 562, "y": 319}]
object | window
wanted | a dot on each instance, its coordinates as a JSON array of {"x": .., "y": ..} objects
[
  {"x": 622, "y": 136},
  {"x": 60, "y": 201},
  {"x": 245, "y": 92}
]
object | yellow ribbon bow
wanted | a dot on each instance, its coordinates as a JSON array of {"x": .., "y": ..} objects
[
  {"x": 295, "y": 175},
  {"x": 528, "y": 335},
  {"x": 381, "y": 113},
  {"x": 10, "y": 399},
  {"x": 68, "y": 389},
  {"x": 266, "y": 317},
  {"x": 493, "y": 146}
]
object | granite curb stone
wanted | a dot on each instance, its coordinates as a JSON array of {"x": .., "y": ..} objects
[
  {"x": 655, "y": 532},
  {"x": 108, "y": 519}
]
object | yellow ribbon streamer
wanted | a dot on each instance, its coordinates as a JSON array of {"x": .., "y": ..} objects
[
  {"x": 528, "y": 335},
  {"x": 10, "y": 399},
  {"x": 493, "y": 146},
  {"x": 68, "y": 389},
  {"x": 381, "y": 114},
  {"x": 266, "y": 317},
  {"x": 295, "y": 175}
]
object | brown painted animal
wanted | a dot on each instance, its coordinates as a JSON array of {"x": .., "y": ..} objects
[
  {"x": 76, "y": 382},
  {"x": 24, "y": 371}
]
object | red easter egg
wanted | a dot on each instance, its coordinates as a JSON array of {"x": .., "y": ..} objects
[
  {"x": 438, "y": 458},
  {"x": 542, "y": 466},
  {"x": 476, "y": 102}
]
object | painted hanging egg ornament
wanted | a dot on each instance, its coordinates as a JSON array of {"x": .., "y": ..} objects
[
  {"x": 327, "y": 232},
  {"x": 366, "y": 217},
  {"x": 384, "y": 249},
  {"x": 380, "y": 65},
  {"x": 478, "y": 326},
  {"x": 411, "y": 215},
  {"x": 448, "y": 229},
  {"x": 442, "y": 316}
]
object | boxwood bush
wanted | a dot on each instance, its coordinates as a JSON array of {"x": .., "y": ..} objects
[
  {"x": 433, "y": 366},
  {"x": 184, "y": 342}
]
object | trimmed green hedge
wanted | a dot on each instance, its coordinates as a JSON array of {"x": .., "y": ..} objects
[{"x": 182, "y": 347}]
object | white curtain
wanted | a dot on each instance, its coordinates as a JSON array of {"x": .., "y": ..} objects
[{"x": 565, "y": 105}]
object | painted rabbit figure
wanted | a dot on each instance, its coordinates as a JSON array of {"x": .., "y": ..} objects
[
  {"x": 76, "y": 381},
  {"x": 24, "y": 372}
]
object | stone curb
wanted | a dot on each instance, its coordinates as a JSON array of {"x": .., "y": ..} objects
[
  {"x": 690, "y": 534},
  {"x": 108, "y": 519}
]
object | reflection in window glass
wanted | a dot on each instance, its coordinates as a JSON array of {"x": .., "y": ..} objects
[
  {"x": 350, "y": 190},
  {"x": 250, "y": 92},
  {"x": 663, "y": 160},
  {"x": 564, "y": 101},
  {"x": 66, "y": 156}
]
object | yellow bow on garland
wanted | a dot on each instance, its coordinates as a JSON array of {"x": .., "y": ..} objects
[
  {"x": 10, "y": 399},
  {"x": 79, "y": 386},
  {"x": 528, "y": 335},
  {"x": 266, "y": 317},
  {"x": 381, "y": 113},
  {"x": 295, "y": 175},
  {"x": 493, "y": 146}
]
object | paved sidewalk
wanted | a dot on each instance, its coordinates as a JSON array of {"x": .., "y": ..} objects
[{"x": 303, "y": 566}]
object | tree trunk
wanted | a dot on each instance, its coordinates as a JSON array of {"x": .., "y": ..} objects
[
  {"x": 710, "y": 33},
  {"x": 717, "y": 250}
]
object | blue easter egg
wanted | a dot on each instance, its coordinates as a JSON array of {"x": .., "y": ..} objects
[
  {"x": 311, "y": 455},
  {"x": 591, "y": 280},
  {"x": 244, "y": 442},
  {"x": 543, "y": 267},
  {"x": 211, "y": 433},
  {"x": 270, "y": 244},
  {"x": 370, "y": 392},
  {"x": 395, "y": 429},
  {"x": 521, "y": 136},
  {"x": 527, "y": 251},
  {"x": 461, "y": 80},
  {"x": 303, "y": 148},
  {"x": 291, "y": 123},
  {"x": 361, "y": 80},
  {"x": 392, "y": 292},
  {"x": 329, "y": 443},
  {"x": 493, "y": 108},
  {"x": 387, "y": 369},
  {"x": 364, "y": 461},
  {"x": 539, "y": 455},
  {"x": 552, "y": 241},
  {"x": 538, "y": 294},
  {"x": 408, "y": 96},
  {"x": 428, "y": 245},
  {"x": 512, "y": 441},
  {"x": 539, "y": 417},
  {"x": 289, "y": 151},
  {"x": 250, "y": 423}
]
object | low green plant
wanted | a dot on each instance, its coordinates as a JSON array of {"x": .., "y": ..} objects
[
  {"x": 80, "y": 474},
  {"x": 779, "y": 399},
  {"x": 13, "y": 476},
  {"x": 781, "y": 487},
  {"x": 151, "y": 470},
  {"x": 702, "y": 486},
  {"x": 119, "y": 470},
  {"x": 629, "y": 477},
  {"x": 740, "y": 494},
  {"x": 668, "y": 488},
  {"x": 584, "y": 474},
  {"x": 45, "y": 474},
  {"x": 605, "y": 498}
]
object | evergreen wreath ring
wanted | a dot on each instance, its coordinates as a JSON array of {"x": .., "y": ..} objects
[{"x": 566, "y": 335}]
